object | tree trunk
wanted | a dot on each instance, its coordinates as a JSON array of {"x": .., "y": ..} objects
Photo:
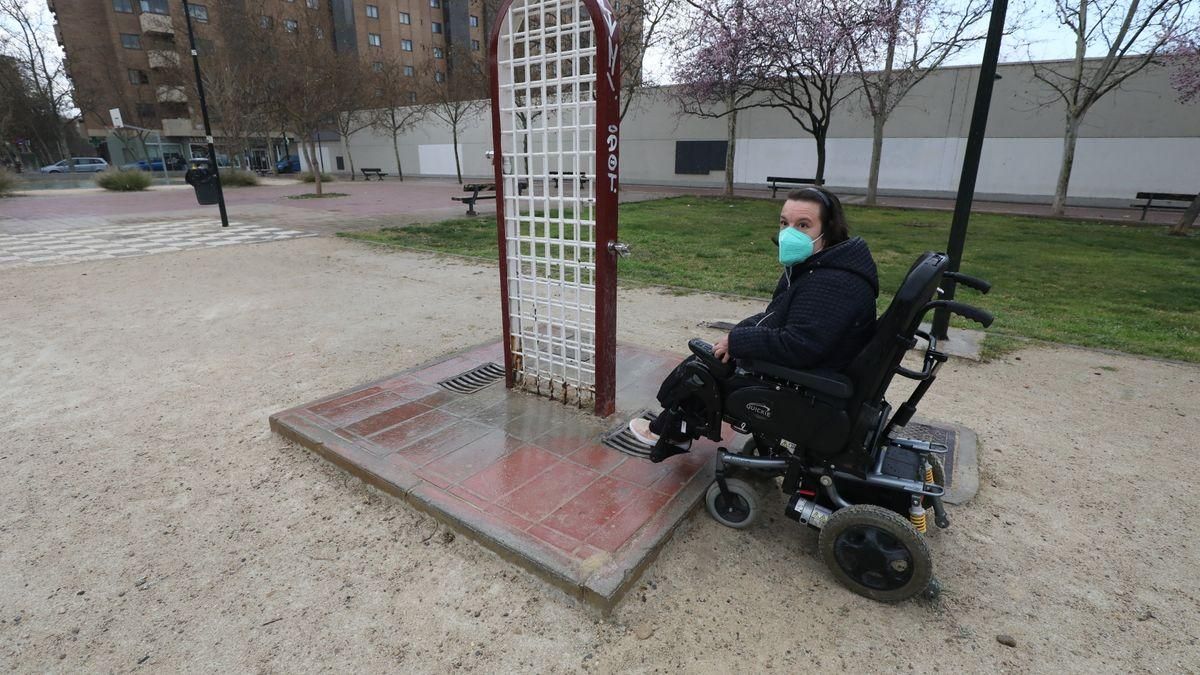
[
  {"x": 731, "y": 149},
  {"x": 457, "y": 166},
  {"x": 396, "y": 149},
  {"x": 820, "y": 138},
  {"x": 876, "y": 157},
  {"x": 1059, "y": 207},
  {"x": 1187, "y": 220},
  {"x": 349, "y": 157},
  {"x": 306, "y": 147}
]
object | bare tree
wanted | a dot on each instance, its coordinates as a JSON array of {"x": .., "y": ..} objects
[
  {"x": 715, "y": 67},
  {"x": 1184, "y": 57},
  {"x": 805, "y": 62},
  {"x": 451, "y": 85},
  {"x": 1126, "y": 36},
  {"x": 643, "y": 26},
  {"x": 303, "y": 88},
  {"x": 358, "y": 94},
  {"x": 234, "y": 77},
  {"x": 398, "y": 112},
  {"x": 26, "y": 38},
  {"x": 905, "y": 41}
]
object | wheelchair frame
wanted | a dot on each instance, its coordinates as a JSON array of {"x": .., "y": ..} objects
[{"x": 817, "y": 483}]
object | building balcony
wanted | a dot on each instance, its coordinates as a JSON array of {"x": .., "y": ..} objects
[
  {"x": 156, "y": 24},
  {"x": 179, "y": 127},
  {"x": 171, "y": 94},
  {"x": 160, "y": 59}
]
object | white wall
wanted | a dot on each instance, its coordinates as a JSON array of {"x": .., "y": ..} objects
[{"x": 1138, "y": 138}]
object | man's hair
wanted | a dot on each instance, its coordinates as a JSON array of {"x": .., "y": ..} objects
[{"x": 834, "y": 228}]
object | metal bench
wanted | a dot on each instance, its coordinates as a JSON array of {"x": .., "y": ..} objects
[
  {"x": 1150, "y": 197},
  {"x": 477, "y": 188},
  {"x": 554, "y": 175},
  {"x": 777, "y": 181},
  {"x": 367, "y": 173}
]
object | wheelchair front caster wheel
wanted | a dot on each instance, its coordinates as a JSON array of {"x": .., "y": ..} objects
[
  {"x": 876, "y": 553},
  {"x": 738, "y": 508}
]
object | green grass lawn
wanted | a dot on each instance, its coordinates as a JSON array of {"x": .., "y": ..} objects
[{"x": 1124, "y": 287}]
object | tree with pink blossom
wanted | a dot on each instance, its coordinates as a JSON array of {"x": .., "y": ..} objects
[
  {"x": 715, "y": 67},
  {"x": 1183, "y": 57},
  {"x": 803, "y": 48}
]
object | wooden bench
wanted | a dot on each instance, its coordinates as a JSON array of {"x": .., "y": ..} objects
[
  {"x": 583, "y": 180},
  {"x": 1162, "y": 197},
  {"x": 476, "y": 188},
  {"x": 367, "y": 173},
  {"x": 777, "y": 181}
]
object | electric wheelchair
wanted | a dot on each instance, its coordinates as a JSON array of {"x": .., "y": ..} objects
[{"x": 830, "y": 436}]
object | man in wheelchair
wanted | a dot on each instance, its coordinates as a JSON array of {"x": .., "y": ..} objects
[{"x": 806, "y": 379}]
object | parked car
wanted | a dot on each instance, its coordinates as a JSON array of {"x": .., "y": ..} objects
[
  {"x": 288, "y": 164},
  {"x": 174, "y": 163},
  {"x": 76, "y": 165}
]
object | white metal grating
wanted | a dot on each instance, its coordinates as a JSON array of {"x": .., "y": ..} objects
[{"x": 546, "y": 79}]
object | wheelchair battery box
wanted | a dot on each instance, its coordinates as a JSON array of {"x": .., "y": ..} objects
[{"x": 789, "y": 415}]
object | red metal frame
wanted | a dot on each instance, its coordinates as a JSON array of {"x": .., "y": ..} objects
[{"x": 608, "y": 123}]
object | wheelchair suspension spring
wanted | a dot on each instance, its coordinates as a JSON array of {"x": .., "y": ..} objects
[
  {"x": 928, "y": 474},
  {"x": 916, "y": 515}
]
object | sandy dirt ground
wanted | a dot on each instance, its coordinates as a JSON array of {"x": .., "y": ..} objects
[{"x": 150, "y": 520}]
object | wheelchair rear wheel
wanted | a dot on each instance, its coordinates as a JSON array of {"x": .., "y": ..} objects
[
  {"x": 738, "y": 508},
  {"x": 876, "y": 553}
]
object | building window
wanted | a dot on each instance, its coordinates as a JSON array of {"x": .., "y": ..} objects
[
  {"x": 377, "y": 66},
  {"x": 374, "y": 40},
  {"x": 198, "y": 12},
  {"x": 318, "y": 32},
  {"x": 204, "y": 47},
  {"x": 145, "y": 110},
  {"x": 378, "y": 93},
  {"x": 435, "y": 3},
  {"x": 436, "y": 26},
  {"x": 474, "y": 45},
  {"x": 412, "y": 97},
  {"x": 138, "y": 77},
  {"x": 405, "y": 18},
  {"x": 408, "y": 71},
  {"x": 131, "y": 41},
  {"x": 266, "y": 22},
  {"x": 312, "y": 4},
  {"x": 406, "y": 45},
  {"x": 439, "y": 76},
  {"x": 290, "y": 25},
  {"x": 372, "y": 11},
  {"x": 474, "y": 21},
  {"x": 437, "y": 53},
  {"x": 155, "y": 6},
  {"x": 124, "y": 6}
]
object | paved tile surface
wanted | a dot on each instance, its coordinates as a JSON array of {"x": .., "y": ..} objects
[
  {"x": 108, "y": 242},
  {"x": 525, "y": 475}
]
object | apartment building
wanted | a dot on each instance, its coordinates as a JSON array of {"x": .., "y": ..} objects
[{"x": 133, "y": 55}]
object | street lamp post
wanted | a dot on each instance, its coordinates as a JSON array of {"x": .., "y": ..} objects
[
  {"x": 971, "y": 156},
  {"x": 208, "y": 135}
]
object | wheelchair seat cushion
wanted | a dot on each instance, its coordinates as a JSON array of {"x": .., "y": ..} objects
[{"x": 824, "y": 382}]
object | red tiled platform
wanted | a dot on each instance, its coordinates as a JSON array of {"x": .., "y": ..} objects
[{"x": 525, "y": 475}]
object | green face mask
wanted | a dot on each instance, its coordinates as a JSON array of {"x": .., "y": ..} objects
[{"x": 795, "y": 246}]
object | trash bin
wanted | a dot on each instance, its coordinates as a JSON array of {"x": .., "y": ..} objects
[{"x": 203, "y": 180}]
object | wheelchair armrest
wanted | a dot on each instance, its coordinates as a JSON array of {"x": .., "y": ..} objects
[
  {"x": 704, "y": 351},
  {"x": 830, "y": 384}
]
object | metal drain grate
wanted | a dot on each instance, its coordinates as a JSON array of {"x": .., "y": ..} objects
[
  {"x": 474, "y": 379},
  {"x": 623, "y": 440}
]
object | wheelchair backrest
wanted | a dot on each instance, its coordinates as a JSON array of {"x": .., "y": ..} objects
[{"x": 873, "y": 368}]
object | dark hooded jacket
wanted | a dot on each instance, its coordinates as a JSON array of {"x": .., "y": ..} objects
[{"x": 821, "y": 315}]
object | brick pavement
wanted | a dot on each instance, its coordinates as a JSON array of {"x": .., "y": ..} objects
[
  {"x": 109, "y": 242},
  {"x": 525, "y": 475}
]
